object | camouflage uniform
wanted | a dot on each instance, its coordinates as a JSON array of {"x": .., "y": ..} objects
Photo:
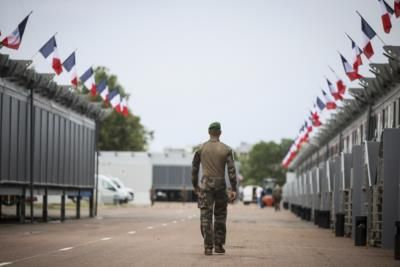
[{"x": 213, "y": 156}]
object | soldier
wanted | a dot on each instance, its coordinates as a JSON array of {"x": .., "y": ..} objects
[{"x": 212, "y": 193}]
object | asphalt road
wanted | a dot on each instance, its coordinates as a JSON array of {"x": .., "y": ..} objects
[{"x": 169, "y": 235}]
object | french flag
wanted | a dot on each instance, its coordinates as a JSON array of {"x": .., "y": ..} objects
[
  {"x": 330, "y": 103},
  {"x": 397, "y": 8},
  {"x": 314, "y": 118},
  {"x": 357, "y": 52},
  {"x": 102, "y": 89},
  {"x": 115, "y": 100},
  {"x": 387, "y": 12},
  {"x": 334, "y": 92},
  {"x": 87, "y": 79},
  {"x": 14, "y": 40},
  {"x": 368, "y": 33},
  {"x": 50, "y": 47},
  {"x": 340, "y": 86},
  {"x": 70, "y": 66},
  {"x": 124, "y": 107},
  {"x": 350, "y": 71}
]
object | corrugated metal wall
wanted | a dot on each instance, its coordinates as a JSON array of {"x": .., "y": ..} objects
[
  {"x": 64, "y": 143},
  {"x": 172, "y": 177}
]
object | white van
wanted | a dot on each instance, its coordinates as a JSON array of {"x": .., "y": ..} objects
[
  {"x": 249, "y": 194},
  {"x": 121, "y": 186},
  {"x": 109, "y": 193}
]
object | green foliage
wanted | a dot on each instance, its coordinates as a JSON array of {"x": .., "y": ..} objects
[
  {"x": 123, "y": 133},
  {"x": 264, "y": 161},
  {"x": 118, "y": 132}
]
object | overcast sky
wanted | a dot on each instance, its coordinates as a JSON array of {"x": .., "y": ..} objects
[{"x": 256, "y": 66}]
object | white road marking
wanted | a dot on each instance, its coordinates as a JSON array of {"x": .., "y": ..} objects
[
  {"x": 105, "y": 238},
  {"x": 174, "y": 222},
  {"x": 150, "y": 227},
  {"x": 164, "y": 224},
  {"x": 182, "y": 220},
  {"x": 65, "y": 249},
  {"x": 5, "y": 263},
  {"x": 132, "y": 232}
]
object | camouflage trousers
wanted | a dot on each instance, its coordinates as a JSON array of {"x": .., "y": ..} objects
[{"x": 213, "y": 202}]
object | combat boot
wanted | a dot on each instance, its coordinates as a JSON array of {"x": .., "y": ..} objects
[
  {"x": 208, "y": 251},
  {"x": 219, "y": 249}
]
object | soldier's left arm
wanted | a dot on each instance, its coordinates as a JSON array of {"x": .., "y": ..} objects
[{"x": 231, "y": 170}]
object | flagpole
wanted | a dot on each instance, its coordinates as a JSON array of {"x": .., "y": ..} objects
[{"x": 377, "y": 35}]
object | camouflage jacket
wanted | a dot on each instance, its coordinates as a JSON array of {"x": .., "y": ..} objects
[{"x": 213, "y": 156}]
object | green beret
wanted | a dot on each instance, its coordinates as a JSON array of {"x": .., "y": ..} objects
[{"x": 215, "y": 126}]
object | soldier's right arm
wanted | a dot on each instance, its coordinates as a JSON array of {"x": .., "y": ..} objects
[
  {"x": 231, "y": 170},
  {"x": 196, "y": 169}
]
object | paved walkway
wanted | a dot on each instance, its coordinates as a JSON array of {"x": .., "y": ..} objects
[{"x": 169, "y": 235}]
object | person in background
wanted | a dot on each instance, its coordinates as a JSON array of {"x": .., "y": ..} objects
[
  {"x": 263, "y": 193},
  {"x": 258, "y": 196},
  {"x": 277, "y": 195}
]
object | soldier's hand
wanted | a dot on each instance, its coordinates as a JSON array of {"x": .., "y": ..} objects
[
  {"x": 232, "y": 196},
  {"x": 197, "y": 191}
]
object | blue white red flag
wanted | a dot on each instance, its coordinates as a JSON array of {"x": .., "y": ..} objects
[
  {"x": 357, "y": 52},
  {"x": 340, "y": 86},
  {"x": 102, "y": 89},
  {"x": 87, "y": 79},
  {"x": 349, "y": 70},
  {"x": 70, "y": 66},
  {"x": 329, "y": 102},
  {"x": 14, "y": 40},
  {"x": 334, "y": 91},
  {"x": 368, "y": 34},
  {"x": 115, "y": 100},
  {"x": 50, "y": 47}
]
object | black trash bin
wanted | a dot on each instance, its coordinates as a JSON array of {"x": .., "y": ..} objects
[
  {"x": 361, "y": 231},
  {"x": 308, "y": 214},
  {"x": 316, "y": 214},
  {"x": 324, "y": 219},
  {"x": 339, "y": 225},
  {"x": 397, "y": 241},
  {"x": 285, "y": 205}
]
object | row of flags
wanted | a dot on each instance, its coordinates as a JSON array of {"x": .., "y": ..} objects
[
  {"x": 337, "y": 90},
  {"x": 49, "y": 50}
]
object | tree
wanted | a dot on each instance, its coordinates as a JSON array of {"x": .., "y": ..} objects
[
  {"x": 123, "y": 133},
  {"x": 118, "y": 132},
  {"x": 264, "y": 161}
]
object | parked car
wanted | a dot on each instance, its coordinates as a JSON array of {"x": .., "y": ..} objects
[
  {"x": 121, "y": 186},
  {"x": 109, "y": 193}
]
